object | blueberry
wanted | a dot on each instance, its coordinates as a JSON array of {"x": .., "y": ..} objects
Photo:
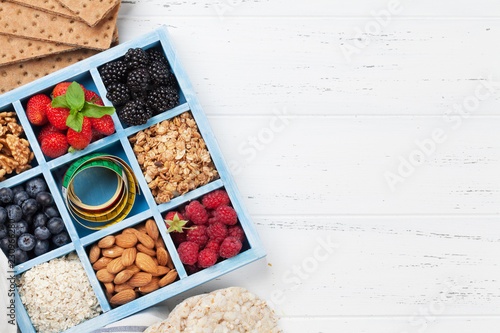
[
  {"x": 18, "y": 188},
  {"x": 29, "y": 218},
  {"x": 6, "y": 195},
  {"x": 29, "y": 207},
  {"x": 14, "y": 212},
  {"x": 20, "y": 197},
  {"x": 19, "y": 228},
  {"x": 55, "y": 225},
  {"x": 51, "y": 211},
  {"x": 40, "y": 220},
  {"x": 4, "y": 245},
  {"x": 20, "y": 256},
  {"x": 26, "y": 242},
  {"x": 42, "y": 233},
  {"x": 44, "y": 198},
  {"x": 3, "y": 215},
  {"x": 34, "y": 186},
  {"x": 41, "y": 247},
  {"x": 3, "y": 231},
  {"x": 61, "y": 239}
]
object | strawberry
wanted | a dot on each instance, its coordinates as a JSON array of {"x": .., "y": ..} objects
[
  {"x": 93, "y": 98},
  {"x": 82, "y": 139},
  {"x": 96, "y": 135},
  {"x": 61, "y": 89},
  {"x": 36, "y": 110},
  {"x": 57, "y": 117},
  {"x": 46, "y": 130},
  {"x": 54, "y": 145},
  {"x": 104, "y": 125}
]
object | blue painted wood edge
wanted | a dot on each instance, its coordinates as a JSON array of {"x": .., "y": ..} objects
[
  {"x": 22, "y": 177},
  {"x": 22, "y": 318},
  {"x": 55, "y": 253}
]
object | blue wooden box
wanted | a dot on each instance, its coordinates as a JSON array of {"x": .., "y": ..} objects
[{"x": 86, "y": 73}]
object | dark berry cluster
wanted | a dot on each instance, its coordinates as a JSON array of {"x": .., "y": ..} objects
[
  {"x": 141, "y": 85},
  {"x": 30, "y": 224}
]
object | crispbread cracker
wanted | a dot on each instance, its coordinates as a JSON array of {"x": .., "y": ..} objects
[
  {"x": 176, "y": 317},
  {"x": 220, "y": 311},
  {"x": 31, "y": 23},
  {"x": 49, "y": 6},
  {"x": 17, "y": 49},
  {"x": 90, "y": 11},
  {"x": 16, "y": 75}
]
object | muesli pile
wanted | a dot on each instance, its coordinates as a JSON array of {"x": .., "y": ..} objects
[
  {"x": 173, "y": 157},
  {"x": 57, "y": 295}
]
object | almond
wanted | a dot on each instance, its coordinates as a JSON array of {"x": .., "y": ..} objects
[
  {"x": 113, "y": 252},
  {"x": 110, "y": 287},
  {"x": 106, "y": 242},
  {"x": 151, "y": 286},
  {"x": 123, "y": 297},
  {"x": 130, "y": 231},
  {"x": 143, "y": 249},
  {"x": 145, "y": 262},
  {"x": 115, "y": 266},
  {"x": 94, "y": 254},
  {"x": 162, "y": 270},
  {"x": 146, "y": 240},
  {"x": 133, "y": 268},
  {"x": 123, "y": 276},
  {"x": 140, "y": 279},
  {"x": 162, "y": 256},
  {"x": 126, "y": 240},
  {"x": 101, "y": 263},
  {"x": 168, "y": 279},
  {"x": 152, "y": 229},
  {"x": 159, "y": 243},
  {"x": 122, "y": 287},
  {"x": 128, "y": 256},
  {"x": 141, "y": 228},
  {"x": 104, "y": 276},
  {"x": 170, "y": 263},
  {"x": 155, "y": 260}
]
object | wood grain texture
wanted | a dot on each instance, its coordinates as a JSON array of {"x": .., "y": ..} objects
[{"x": 421, "y": 258}]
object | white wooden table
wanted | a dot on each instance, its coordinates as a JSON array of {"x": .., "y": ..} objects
[{"x": 339, "y": 119}]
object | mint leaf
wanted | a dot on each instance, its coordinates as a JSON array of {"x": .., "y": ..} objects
[
  {"x": 75, "y": 120},
  {"x": 75, "y": 97},
  {"x": 59, "y": 102},
  {"x": 96, "y": 111}
]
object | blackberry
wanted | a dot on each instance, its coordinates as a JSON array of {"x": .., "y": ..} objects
[
  {"x": 115, "y": 71},
  {"x": 172, "y": 81},
  {"x": 162, "y": 99},
  {"x": 135, "y": 113},
  {"x": 140, "y": 95},
  {"x": 136, "y": 58},
  {"x": 159, "y": 72},
  {"x": 138, "y": 79},
  {"x": 118, "y": 93},
  {"x": 157, "y": 55}
]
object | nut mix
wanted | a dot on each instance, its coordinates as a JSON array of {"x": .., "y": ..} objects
[
  {"x": 15, "y": 154},
  {"x": 57, "y": 294},
  {"x": 132, "y": 263},
  {"x": 173, "y": 157}
]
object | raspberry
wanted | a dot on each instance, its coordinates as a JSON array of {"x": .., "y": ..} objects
[
  {"x": 217, "y": 232},
  {"x": 198, "y": 235},
  {"x": 188, "y": 253},
  {"x": 196, "y": 213},
  {"x": 178, "y": 237},
  {"x": 191, "y": 269},
  {"x": 236, "y": 232},
  {"x": 226, "y": 215},
  {"x": 213, "y": 245},
  {"x": 215, "y": 199},
  {"x": 229, "y": 247},
  {"x": 207, "y": 258}
]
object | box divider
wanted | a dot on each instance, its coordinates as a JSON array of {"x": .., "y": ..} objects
[{"x": 28, "y": 130}]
